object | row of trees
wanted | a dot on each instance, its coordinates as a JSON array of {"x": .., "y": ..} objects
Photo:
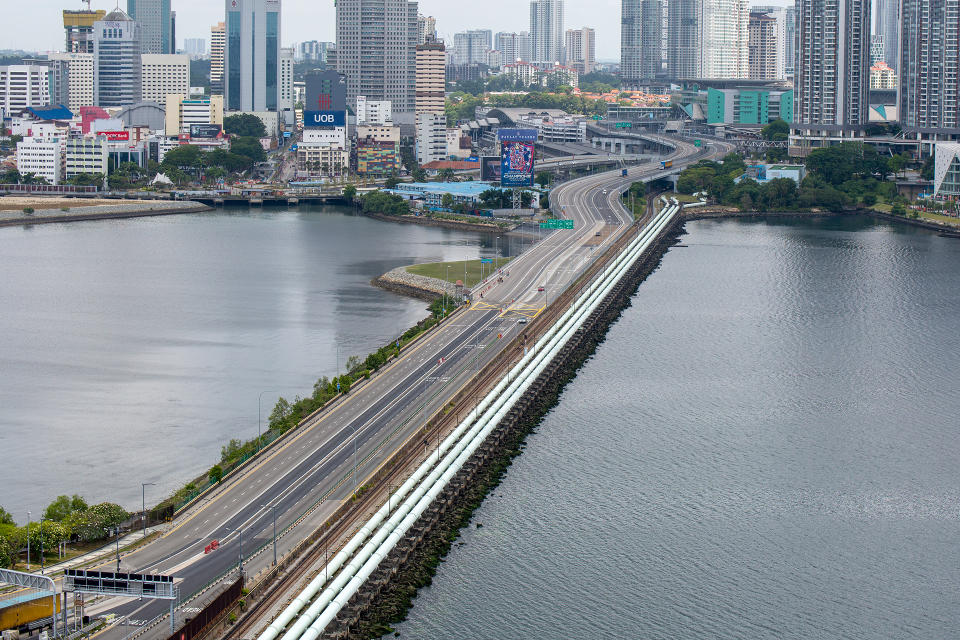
[
  {"x": 65, "y": 519},
  {"x": 462, "y": 106},
  {"x": 385, "y": 203}
]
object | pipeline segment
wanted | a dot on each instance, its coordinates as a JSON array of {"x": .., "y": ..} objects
[{"x": 458, "y": 449}]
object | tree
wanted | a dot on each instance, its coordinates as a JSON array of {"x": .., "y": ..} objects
[
  {"x": 249, "y": 147},
  {"x": 280, "y": 413},
  {"x": 8, "y": 552},
  {"x": 244, "y": 124},
  {"x": 446, "y": 174},
  {"x": 391, "y": 182},
  {"x": 5, "y": 517},
  {"x": 46, "y": 535},
  {"x": 446, "y": 201},
  {"x": 543, "y": 179},
  {"x": 926, "y": 173},
  {"x": 419, "y": 175},
  {"x": 215, "y": 474},
  {"x": 92, "y": 523},
  {"x": 10, "y": 176},
  {"x": 187, "y": 155},
  {"x": 350, "y": 192},
  {"x": 62, "y": 507},
  {"x": 777, "y": 131}
]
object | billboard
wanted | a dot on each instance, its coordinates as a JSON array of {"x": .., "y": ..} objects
[
  {"x": 115, "y": 136},
  {"x": 205, "y": 130},
  {"x": 516, "y": 157},
  {"x": 324, "y": 119},
  {"x": 490, "y": 168}
]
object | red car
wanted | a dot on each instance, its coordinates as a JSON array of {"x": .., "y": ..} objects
[{"x": 540, "y": 289}]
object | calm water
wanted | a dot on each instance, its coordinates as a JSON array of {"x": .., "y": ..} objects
[
  {"x": 132, "y": 350},
  {"x": 767, "y": 445}
]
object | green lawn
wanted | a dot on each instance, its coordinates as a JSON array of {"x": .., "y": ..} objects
[
  {"x": 938, "y": 218},
  {"x": 439, "y": 270}
]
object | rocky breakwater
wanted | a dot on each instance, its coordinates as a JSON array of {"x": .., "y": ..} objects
[{"x": 401, "y": 281}]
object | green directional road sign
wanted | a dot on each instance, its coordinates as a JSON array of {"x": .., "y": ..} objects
[
  {"x": 697, "y": 143},
  {"x": 623, "y": 125},
  {"x": 556, "y": 224},
  {"x": 598, "y": 117}
]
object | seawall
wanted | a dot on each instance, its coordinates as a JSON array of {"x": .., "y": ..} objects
[
  {"x": 387, "y": 595},
  {"x": 102, "y": 212},
  {"x": 401, "y": 281}
]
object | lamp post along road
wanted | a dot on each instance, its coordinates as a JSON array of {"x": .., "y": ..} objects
[
  {"x": 274, "y": 508},
  {"x": 29, "y": 515},
  {"x": 143, "y": 497}
]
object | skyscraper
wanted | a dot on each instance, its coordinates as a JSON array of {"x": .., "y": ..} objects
[
  {"x": 708, "y": 39},
  {"x": 790, "y": 41},
  {"x": 376, "y": 50},
  {"x": 156, "y": 25},
  {"x": 640, "y": 36},
  {"x": 116, "y": 60},
  {"x": 765, "y": 60},
  {"x": 580, "y": 49},
  {"x": 78, "y": 25},
  {"x": 252, "y": 55},
  {"x": 513, "y": 46},
  {"x": 218, "y": 44},
  {"x": 832, "y": 75},
  {"x": 546, "y": 31},
  {"x": 886, "y": 23},
  {"x": 780, "y": 14},
  {"x": 431, "y": 77},
  {"x": 929, "y": 66},
  {"x": 470, "y": 47},
  {"x": 426, "y": 28}
]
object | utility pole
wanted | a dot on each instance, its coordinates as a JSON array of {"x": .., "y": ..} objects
[{"x": 143, "y": 496}]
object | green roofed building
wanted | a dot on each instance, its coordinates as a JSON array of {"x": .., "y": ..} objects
[{"x": 748, "y": 106}]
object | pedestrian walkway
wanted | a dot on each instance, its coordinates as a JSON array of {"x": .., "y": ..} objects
[{"x": 100, "y": 554}]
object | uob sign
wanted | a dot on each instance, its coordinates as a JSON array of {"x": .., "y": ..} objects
[{"x": 324, "y": 119}]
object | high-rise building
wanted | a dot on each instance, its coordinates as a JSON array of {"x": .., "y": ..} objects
[
  {"x": 325, "y": 91},
  {"x": 156, "y": 25},
  {"x": 312, "y": 51},
  {"x": 43, "y": 157},
  {"x": 708, "y": 39},
  {"x": 886, "y": 23},
  {"x": 546, "y": 31},
  {"x": 22, "y": 86},
  {"x": 929, "y": 75},
  {"x": 79, "y": 78},
  {"x": 376, "y": 50},
  {"x": 640, "y": 39},
  {"x": 195, "y": 47},
  {"x": 514, "y": 46},
  {"x": 373, "y": 111},
  {"x": 580, "y": 49},
  {"x": 882, "y": 77},
  {"x": 790, "y": 41},
  {"x": 431, "y": 77},
  {"x": 779, "y": 14},
  {"x": 831, "y": 82},
  {"x": 470, "y": 47},
  {"x": 182, "y": 111},
  {"x": 252, "y": 55},
  {"x": 78, "y": 25},
  {"x": 285, "y": 101},
  {"x": 765, "y": 61},
  {"x": 431, "y": 138},
  {"x": 116, "y": 60},
  {"x": 218, "y": 46},
  {"x": 163, "y": 74},
  {"x": 426, "y": 28}
]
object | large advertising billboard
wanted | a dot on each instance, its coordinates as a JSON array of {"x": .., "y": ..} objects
[
  {"x": 516, "y": 157},
  {"x": 205, "y": 130},
  {"x": 324, "y": 119}
]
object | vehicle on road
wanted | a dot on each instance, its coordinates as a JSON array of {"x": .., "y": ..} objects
[
  {"x": 539, "y": 289},
  {"x": 666, "y": 164},
  {"x": 623, "y": 172},
  {"x": 522, "y": 321}
]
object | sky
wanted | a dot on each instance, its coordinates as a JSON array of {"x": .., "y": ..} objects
[{"x": 314, "y": 20}]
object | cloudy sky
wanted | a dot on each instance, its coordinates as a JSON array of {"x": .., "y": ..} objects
[{"x": 314, "y": 19}]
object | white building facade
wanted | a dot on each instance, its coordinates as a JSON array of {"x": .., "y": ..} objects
[{"x": 162, "y": 75}]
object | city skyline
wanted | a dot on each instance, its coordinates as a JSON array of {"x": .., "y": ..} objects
[{"x": 195, "y": 19}]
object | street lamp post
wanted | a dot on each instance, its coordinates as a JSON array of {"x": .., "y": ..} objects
[
  {"x": 274, "y": 508},
  {"x": 28, "y": 540},
  {"x": 41, "y": 544},
  {"x": 143, "y": 497},
  {"x": 240, "y": 540}
]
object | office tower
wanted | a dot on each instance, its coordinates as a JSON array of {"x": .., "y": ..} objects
[
  {"x": 470, "y": 47},
  {"x": 313, "y": 51},
  {"x": 325, "y": 91},
  {"x": 929, "y": 93},
  {"x": 285, "y": 100},
  {"x": 78, "y": 25},
  {"x": 376, "y": 50},
  {"x": 833, "y": 57},
  {"x": 426, "y": 28},
  {"x": 22, "y": 86},
  {"x": 708, "y": 39},
  {"x": 252, "y": 55},
  {"x": 156, "y": 25},
  {"x": 790, "y": 41},
  {"x": 431, "y": 77},
  {"x": 116, "y": 60},
  {"x": 580, "y": 49},
  {"x": 886, "y": 24},
  {"x": 79, "y": 78},
  {"x": 763, "y": 47},
  {"x": 546, "y": 31},
  {"x": 195, "y": 47},
  {"x": 514, "y": 46},
  {"x": 779, "y": 14},
  {"x": 640, "y": 40},
  {"x": 218, "y": 45},
  {"x": 162, "y": 75}
]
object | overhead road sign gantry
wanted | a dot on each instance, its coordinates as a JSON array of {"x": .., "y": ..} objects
[{"x": 554, "y": 223}]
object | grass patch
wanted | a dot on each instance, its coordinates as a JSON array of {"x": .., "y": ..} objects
[
  {"x": 938, "y": 218},
  {"x": 882, "y": 208},
  {"x": 439, "y": 270},
  {"x": 683, "y": 197}
]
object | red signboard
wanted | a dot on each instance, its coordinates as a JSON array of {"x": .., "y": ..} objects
[{"x": 116, "y": 135}]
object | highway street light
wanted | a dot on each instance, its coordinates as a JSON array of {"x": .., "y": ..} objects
[
  {"x": 28, "y": 540},
  {"x": 274, "y": 507},
  {"x": 240, "y": 540},
  {"x": 143, "y": 496}
]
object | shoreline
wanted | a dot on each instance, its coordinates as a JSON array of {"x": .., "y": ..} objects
[
  {"x": 447, "y": 224},
  {"x": 402, "y": 282},
  {"x": 15, "y": 218}
]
